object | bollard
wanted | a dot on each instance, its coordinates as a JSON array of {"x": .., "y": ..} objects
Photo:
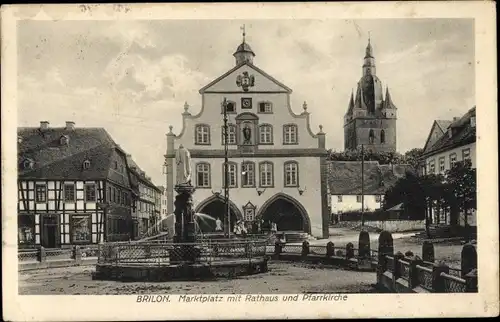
[
  {"x": 385, "y": 248},
  {"x": 330, "y": 249},
  {"x": 438, "y": 284},
  {"x": 77, "y": 253},
  {"x": 428, "y": 252},
  {"x": 396, "y": 272},
  {"x": 471, "y": 281},
  {"x": 364, "y": 245},
  {"x": 349, "y": 250},
  {"x": 468, "y": 259}
]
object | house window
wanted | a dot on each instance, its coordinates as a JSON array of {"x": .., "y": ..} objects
[
  {"x": 432, "y": 167},
  {"x": 358, "y": 198},
  {"x": 382, "y": 137},
  {"x": 231, "y": 178},
  {"x": 339, "y": 198},
  {"x": 231, "y": 134},
  {"x": 202, "y": 134},
  {"x": 230, "y": 107},
  {"x": 465, "y": 154},
  {"x": 116, "y": 165},
  {"x": 291, "y": 174},
  {"x": 265, "y": 134},
  {"x": 41, "y": 193},
  {"x": 249, "y": 214},
  {"x": 378, "y": 198},
  {"x": 371, "y": 136},
  {"x": 69, "y": 192},
  {"x": 290, "y": 134},
  {"x": 28, "y": 164},
  {"x": 90, "y": 192},
  {"x": 453, "y": 159},
  {"x": 86, "y": 164},
  {"x": 266, "y": 174},
  {"x": 441, "y": 164},
  {"x": 203, "y": 175},
  {"x": 248, "y": 174},
  {"x": 265, "y": 107},
  {"x": 109, "y": 194}
]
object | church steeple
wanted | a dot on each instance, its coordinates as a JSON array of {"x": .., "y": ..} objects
[
  {"x": 244, "y": 54},
  {"x": 369, "y": 61}
]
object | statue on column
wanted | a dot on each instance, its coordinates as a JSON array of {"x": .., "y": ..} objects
[{"x": 183, "y": 163}]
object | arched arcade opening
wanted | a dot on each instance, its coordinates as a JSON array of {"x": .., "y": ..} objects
[
  {"x": 215, "y": 207},
  {"x": 286, "y": 212}
]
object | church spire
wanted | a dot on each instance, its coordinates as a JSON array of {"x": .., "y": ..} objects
[
  {"x": 244, "y": 54},
  {"x": 369, "y": 61}
]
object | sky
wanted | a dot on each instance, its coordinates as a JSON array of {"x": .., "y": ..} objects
[{"x": 133, "y": 77}]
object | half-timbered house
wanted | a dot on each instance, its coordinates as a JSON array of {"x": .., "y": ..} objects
[{"x": 74, "y": 187}]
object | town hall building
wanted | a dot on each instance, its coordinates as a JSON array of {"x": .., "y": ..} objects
[
  {"x": 370, "y": 119},
  {"x": 276, "y": 162}
]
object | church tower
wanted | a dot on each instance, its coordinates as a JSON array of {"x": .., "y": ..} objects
[{"x": 371, "y": 118}]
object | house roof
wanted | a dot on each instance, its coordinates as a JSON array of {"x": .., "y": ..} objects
[
  {"x": 462, "y": 133},
  {"x": 398, "y": 207},
  {"x": 53, "y": 160},
  {"x": 443, "y": 124},
  {"x": 139, "y": 175},
  {"x": 344, "y": 177}
]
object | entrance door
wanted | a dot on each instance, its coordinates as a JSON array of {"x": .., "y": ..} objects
[{"x": 50, "y": 231}]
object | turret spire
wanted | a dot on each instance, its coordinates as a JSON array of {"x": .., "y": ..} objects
[
  {"x": 369, "y": 61},
  {"x": 243, "y": 31}
]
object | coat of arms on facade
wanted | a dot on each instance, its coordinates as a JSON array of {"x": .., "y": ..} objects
[{"x": 245, "y": 81}]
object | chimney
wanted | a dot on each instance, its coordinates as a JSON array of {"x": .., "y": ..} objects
[
  {"x": 44, "y": 125},
  {"x": 70, "y": 125},
  {"x": 473, "y": 121}
]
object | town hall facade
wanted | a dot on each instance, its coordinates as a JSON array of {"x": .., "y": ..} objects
[{"x": 276, "y": 161}]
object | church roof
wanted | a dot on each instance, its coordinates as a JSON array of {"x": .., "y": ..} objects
[
  {"x": 344, "y": 177},
  {"x": 53, "y": 160}
]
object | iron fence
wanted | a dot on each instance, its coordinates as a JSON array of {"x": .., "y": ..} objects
[{"x": 424, "y": 277}]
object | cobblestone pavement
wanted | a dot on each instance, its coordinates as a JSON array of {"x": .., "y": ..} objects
[{"x": 281, "y": 278}]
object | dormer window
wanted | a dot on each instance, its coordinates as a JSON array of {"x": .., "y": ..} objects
[
  {"x": 64, "y": 140},
  {"x": 473, "y": 121},
  {"x": 450, "y": 133},
  {"x": 86, "y": 164},
  {"x": 19, "y": 139},
  {"x": 28, "y": 164}
]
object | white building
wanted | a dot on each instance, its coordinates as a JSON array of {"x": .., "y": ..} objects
[
  {"x": 456, "y": 143},
  {"x": 276, "y": 160},
  {"x": 345, "y": 184}
]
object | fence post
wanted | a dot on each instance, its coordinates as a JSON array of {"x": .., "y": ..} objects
[
  {"x": 305, "y": 248},
  {"x": 77, "y": 253},
  {"x": 41, "y": 256},
  {"x": 471, "y": 281},
  {"x": 438, "y": 284},
  {"x": 396, "y": 272},
  {"x": 278, "y": 248},
  {"x": 330, "y": 249},
  {"x": 468, "y": 259},
  {"x": 413, "y": 280},
  {"x": 385, "y": 248},
  {"x": 428, "y": 252}
]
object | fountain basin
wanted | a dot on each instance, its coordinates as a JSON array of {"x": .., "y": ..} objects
[{"x": 180, "y": 261}]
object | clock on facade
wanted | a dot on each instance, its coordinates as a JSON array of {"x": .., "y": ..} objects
[{"x": 246, "y": 102}]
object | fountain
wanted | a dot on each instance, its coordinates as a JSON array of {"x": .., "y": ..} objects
[{"x": 187, "y": 256}]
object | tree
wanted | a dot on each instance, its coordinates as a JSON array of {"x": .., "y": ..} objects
[
  {"x": 413, "y": 158},
  {"x": 409, "y": 191},
  {"x": 461, "y": 179},
  {"x": 355, "y": 155}
]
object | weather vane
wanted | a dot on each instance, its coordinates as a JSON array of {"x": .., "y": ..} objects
[{"x": 243, "y": 30}]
